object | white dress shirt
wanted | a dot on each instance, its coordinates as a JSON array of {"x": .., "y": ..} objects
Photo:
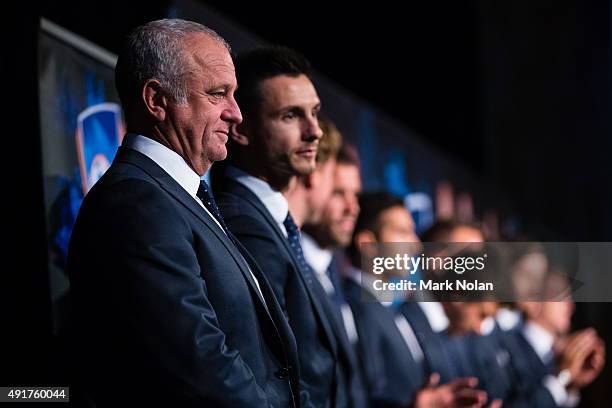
[
  {"x": 274, "y": 201},
  {"x": 171, "y": 162},
  {"x": 487, "y": 326},
  {"x": 507, "y": 318},
  {"x": 319, "y": 260},
  {"x": 176, "y": 167},
  {"x": 434, "y": 312},
  {"x": 366, "y": 281}
]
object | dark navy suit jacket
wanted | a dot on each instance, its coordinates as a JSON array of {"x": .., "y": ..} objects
[
  {"x": 352, "y": 369},
  {"x": 392, "y": 375},
  {"x": 434, "y": 345},
  {"x": 165, "y": 309},
  {"x": 322, "y": 378},
  {"x": 527, "y": 372},
  {"x": 491, "y": 361}
]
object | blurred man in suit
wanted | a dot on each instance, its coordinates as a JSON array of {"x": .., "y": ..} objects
[
  {"x": 275, "y": 144},
  {"x": 470, "y": 342},
  {"x": 334, "y": 197},
  {"x": 327, "y": 235},
  {"x": 519, "y": 367},
  {"x": 168, "y": 310},
  {"x": 398, "y": 373},
  {"x": 549, "y": 365}
]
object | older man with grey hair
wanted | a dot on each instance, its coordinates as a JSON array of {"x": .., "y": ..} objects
[{"x": 169, "y": 309}]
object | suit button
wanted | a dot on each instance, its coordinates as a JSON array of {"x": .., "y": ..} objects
[{"x": 282, "y": 373}]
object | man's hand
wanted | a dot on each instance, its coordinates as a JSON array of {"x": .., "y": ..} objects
[
  {"x": 591, "y": 366},
  {"x": 458, "y": 393},
  {"x": 576, "y": 349}
]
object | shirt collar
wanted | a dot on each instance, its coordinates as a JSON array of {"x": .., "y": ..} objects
[
  {"x": 508, "y": 319},
  {"x": 318, "y": 258},
  {"x": 434, "y": 312},
  {"x": 273, "y": 200},
  {"x": 539, "y": 339},
  {"x": 167, "y": 159},
  {"x": 487, "y": 326}
]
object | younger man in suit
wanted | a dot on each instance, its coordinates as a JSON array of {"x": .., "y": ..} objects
[{"x": 276, "y": 143}]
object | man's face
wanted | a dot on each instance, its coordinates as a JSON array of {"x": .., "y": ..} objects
[
  {"x": 528, "y": 275},
  {"x": 466, "y": 234},
  {"x": 340, "y": 214},
  {"x": 554, "y": 314},
  {"x": 396, "y": 225},
  {"x": 199, "y": 128},
  {"x": 557, "y": 316},
  {"x": 286, "y": 131}
]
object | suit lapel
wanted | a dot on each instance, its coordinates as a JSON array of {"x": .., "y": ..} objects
[
  {"x": 138, "y": 159},
  {"x": 276, "y": 314},
  {"x": 535, "y": 364},
  {"x": 234, "y": 187},
  {"x": 528, "y": 368},
  {"x": 336, "y": 324},
  {"x": 436, "y": 357}
]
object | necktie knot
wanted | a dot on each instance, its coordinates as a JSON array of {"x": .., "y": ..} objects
[{"x": 292, "y": 228}]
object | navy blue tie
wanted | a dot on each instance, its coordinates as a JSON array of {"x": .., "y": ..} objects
[
  {"x": 337, "y": 298},
  {"x": 207, "y": 198},
  {"x": 549, "y": 361},
  {"x": 293, "y": 236},
  {"x": 334, "y": 276}
]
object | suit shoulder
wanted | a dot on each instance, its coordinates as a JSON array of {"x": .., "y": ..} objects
[
  {"x": 233, "y": 205},
  {"x": 242, "y": 217},
  {"x": 125, "y": 191},
  {"x": 123, "y": 202}
]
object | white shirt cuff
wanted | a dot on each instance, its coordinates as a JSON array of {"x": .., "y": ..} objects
[
  {"x": 573, "y": 399},
  {"x": 556, "y": 389}
]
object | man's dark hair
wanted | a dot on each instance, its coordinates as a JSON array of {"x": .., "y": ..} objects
[
  {"x": 441, "y": 230},
  {"x": 372, "y": 205},
  {"x": 348, "y": 155},
  {"x": 259, "y": 64}
]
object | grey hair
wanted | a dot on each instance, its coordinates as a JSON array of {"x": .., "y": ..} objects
[{"x": 154, "y": 51}]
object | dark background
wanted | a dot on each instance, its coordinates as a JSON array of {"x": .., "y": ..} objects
[{"x": 519, "y": 91}]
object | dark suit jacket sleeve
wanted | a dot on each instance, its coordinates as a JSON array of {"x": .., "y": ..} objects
[
  {"x": 151, "y": 275},
  {"x": 370, "y": 346},
  {"x": 538, "y": 397},
  {"x": 535, "y": 396},
  {"x": 524, "y": 388}
]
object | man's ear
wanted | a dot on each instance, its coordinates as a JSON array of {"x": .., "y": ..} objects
[
  {"x": 155, "y": 100},
  {"x": 239, "y": 134}
]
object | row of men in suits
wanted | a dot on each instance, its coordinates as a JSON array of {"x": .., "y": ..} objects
[
  {"x": 180, "y": 301},
  {"x": 408, "y": 347},
  {"x": 186, "y": 298}
]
